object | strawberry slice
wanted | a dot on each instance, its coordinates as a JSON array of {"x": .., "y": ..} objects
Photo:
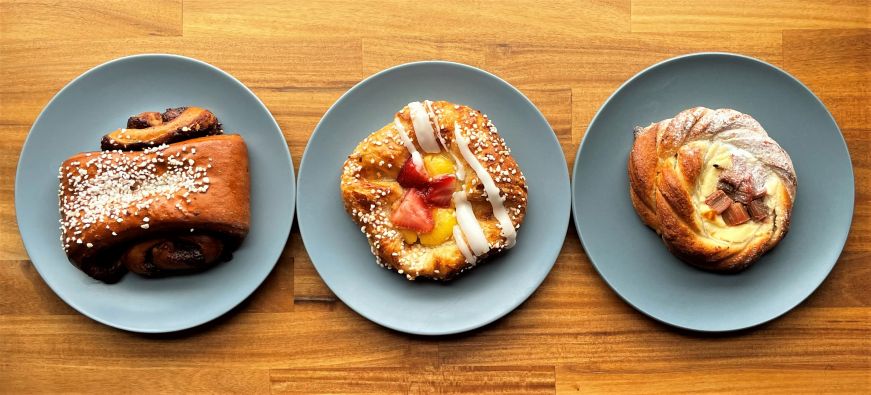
[
  {"x": 411, "y": 176},
  {"x": 413, "y": 213},
  {"x": 440, "y": 190}
]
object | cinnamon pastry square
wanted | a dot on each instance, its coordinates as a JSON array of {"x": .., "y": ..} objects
[{"x": 154, "y": 208}]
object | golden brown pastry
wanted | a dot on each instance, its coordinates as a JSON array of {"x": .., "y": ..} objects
[
  {"x": 715, "y": 186},
  {"x": 435, "y": 191},
  {"x": 172, "y": 208},
  {"x": 150, "y": 129}
]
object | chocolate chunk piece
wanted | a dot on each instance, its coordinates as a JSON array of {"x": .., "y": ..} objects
[
  {"x": 718, "y": 201},
  {"x": 735, "y": 175},
  {"x": 742, "y": 196},
  {"x": 744, "y": 181},
  {"x": 758, "y": 210},
  {"x": 726, "y": 187},
  {"x": 736, "y": 214}
]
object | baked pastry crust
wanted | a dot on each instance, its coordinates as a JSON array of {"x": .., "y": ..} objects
[
  {"x": 370, "y": 189},
  {"x": 675, "y": 163},
  {"x": 116, "y": 206},
  {"x": 150, "y": 129}
]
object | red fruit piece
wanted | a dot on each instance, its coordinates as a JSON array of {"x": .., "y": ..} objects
[
  {"x": 411, "y": 176},
  {"x": 440, "y": 190},
  {"x": 413, "y": 213}
]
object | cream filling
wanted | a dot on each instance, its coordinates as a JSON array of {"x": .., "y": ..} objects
[
  {"x": 493, "y": 192},
  {"x": 721, "y": 154},
  {"x": 422, "y": 127},
  {"x": 409, "y": 145}
]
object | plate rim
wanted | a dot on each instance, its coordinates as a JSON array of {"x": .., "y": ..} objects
[
  {"x": 18, "y": 186},
  {"x": 759, "y": 62},
  {"x": 563, "y": 175}
]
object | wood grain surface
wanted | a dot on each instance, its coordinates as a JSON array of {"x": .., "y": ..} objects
[{"x": 573, "y": 335}]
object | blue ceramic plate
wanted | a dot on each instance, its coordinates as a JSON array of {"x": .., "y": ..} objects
[
  {"x": 99, "y": 101},
  {"x": 631, "y": 257},
  {"x": 340, "y": 252}
]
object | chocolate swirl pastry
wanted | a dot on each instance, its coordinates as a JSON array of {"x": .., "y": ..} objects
[
  {"x": 150, "y": 129},
  {"x": 168, "y": 209},
  {"x": 714, "y": 185}
]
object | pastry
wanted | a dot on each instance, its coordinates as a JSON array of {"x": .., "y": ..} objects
[
  {"x": 435, "y": 191},
  {"x": 167, "y": 209},
  {"x": 150, "y": 129},
  {"x": 714, "y": 185}
]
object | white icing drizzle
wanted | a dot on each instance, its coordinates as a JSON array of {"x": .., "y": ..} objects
[
  {"x": 409, "y": 145},
  {"x": 439, "y": 135},
  {"x": 461, "y": 244},
  {"x": 422, "y": 127},
  {"x": 493, "y": 192},
  {"x": 469, "y": 224},
  {"x": 460, "y": 169},
  {"x": 434, "y": 118}
]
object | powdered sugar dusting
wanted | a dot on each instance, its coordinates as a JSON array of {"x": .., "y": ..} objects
[{"x": 732, "y": 128}]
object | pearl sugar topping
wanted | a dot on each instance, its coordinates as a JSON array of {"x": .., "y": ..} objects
[{"x": 111, "y": 187}]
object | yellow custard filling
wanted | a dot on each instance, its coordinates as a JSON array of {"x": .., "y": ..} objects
[
  {"x": 409, "y": 236},
  {"x": 445, "y": 219},
  {"x": 438, "y": 164},
  {"x": 712, "y": 223}
]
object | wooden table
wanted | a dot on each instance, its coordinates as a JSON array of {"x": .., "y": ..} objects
[{"x": 573, "y": 334}]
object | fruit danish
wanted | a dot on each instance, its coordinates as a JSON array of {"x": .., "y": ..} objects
[
  {"x": 435, "y": 191},
  {"x": 173, "y": 208},
  {"x": 714, "y": 185}
]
